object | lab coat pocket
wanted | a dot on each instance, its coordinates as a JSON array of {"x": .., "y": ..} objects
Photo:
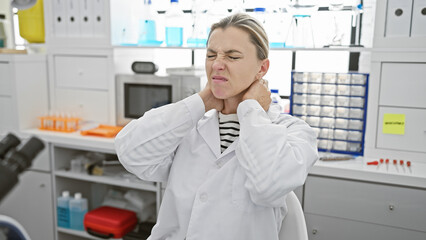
[{"x": 240, "y": 195}]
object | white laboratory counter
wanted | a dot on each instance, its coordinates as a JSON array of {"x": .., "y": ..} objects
[
  {"x": 355, "y": 169},
  {"x": 73, "y": 139}
]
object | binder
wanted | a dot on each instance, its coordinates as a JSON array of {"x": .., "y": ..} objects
[
  {"x": 60, "y": 18},
  {"x": 73, "y": 26},
  {"x": 86, "y": 18}
]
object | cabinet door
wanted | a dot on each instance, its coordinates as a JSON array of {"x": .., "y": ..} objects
[
  {"x": 379, "y": 204},
  {"x": 30, "y": 203},
  {"x": 331, "y": 228},
  {"x": 5, "y": 79}
]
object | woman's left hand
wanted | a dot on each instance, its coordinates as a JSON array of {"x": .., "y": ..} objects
[{"x": 259, "y": 91}]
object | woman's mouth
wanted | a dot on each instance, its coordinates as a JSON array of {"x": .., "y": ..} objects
[{"x": 219, "y": 79}]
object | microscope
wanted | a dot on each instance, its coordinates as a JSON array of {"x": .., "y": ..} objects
[{"x": 15, "y": 158}]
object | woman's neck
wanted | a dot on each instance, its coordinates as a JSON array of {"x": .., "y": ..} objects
[{"x": 230, "y": 105}]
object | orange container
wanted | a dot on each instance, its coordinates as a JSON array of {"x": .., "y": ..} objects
[{"x": 102, "y": 131}]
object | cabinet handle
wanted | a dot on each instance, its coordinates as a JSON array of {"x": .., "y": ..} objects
[
  {"x": 314, "y": 231},
  {"x": 391, "y": 207},
  {"x": 42, "y": 185}
]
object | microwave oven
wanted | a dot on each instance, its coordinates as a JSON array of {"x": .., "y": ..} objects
[{"x": 138, "y": 93}]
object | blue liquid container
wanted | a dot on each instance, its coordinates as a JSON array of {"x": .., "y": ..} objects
[
  {"x": 148, "y": 33},
  {"x": 174, "y": 24},
  {"x": 63, "y": 210},
  {"x": 78, "y": 209},
  {"x": 174, "y": 36},
  {"x": 196, "y": 42}
]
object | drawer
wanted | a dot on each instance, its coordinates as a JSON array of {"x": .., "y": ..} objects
[
  {"x": 331, "y": 228},
  {"x": 414, "y": 138},
  {"x": 90, "y": 105},
  {"x": 367, "y": 202},
  {"x": 6, "y": 79},
  {"x": 403, "y": 85},
  {"x": 88, "y": 72}
]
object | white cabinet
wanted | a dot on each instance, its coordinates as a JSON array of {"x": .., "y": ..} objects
[
  {"x": 346, "y": 209},
  {"x": 23, "y": 91}
]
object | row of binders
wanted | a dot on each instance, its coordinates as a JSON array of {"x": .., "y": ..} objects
[{"x": 79, "y": 18}]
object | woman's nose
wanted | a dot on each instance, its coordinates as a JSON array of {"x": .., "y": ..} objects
[{"x": 218, "y": 64}]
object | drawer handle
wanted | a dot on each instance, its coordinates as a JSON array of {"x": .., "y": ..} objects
[
  {"x": 314, "y": 231},
  {"x": 391, "y": 207}
]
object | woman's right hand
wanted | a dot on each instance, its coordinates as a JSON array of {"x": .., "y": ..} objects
[{"x": 210, "y": 101}]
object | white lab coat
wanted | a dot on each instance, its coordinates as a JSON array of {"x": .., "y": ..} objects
[{"x": 237, "y": 194}]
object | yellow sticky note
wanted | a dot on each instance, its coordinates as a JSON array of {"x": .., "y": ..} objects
[{"x": 394, "y": 123}]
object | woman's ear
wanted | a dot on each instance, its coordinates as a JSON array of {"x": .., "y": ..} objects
[{"x": 263, "y": 68}]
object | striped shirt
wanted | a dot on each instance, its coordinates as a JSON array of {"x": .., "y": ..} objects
[{"x": 229, "y": 129}]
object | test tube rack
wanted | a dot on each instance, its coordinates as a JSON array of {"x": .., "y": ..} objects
[{"x": 59, "y": 124}]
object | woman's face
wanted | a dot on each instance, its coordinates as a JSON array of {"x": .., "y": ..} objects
[{"x": 231, "y": 62}]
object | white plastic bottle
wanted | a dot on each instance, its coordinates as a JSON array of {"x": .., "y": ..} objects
[
  {"x": 276, "y": 100},
  {"x": 63, "y": 210},
  {"x": 175, "y": 21},
  {"x": 78, "y": 208},
  {"x": 260, "y": 14},
  {"x": 148, "y": 26}
]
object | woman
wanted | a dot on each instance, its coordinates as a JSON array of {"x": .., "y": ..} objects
[{"x": 228, "y": 157}]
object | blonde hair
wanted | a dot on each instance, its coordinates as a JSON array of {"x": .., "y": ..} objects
[{"x": 250, "y": 25}]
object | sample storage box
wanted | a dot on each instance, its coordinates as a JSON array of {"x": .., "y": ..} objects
[{"x": 109, "y": 222}]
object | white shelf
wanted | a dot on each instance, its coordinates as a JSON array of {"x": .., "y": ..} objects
[
  {"x": 79, "y": 233},
  {"x": 135, "y": 184},
  {"x": 336, "y": 48}
]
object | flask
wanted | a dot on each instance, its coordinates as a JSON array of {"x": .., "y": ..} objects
[
  {"x": 174, "y": 24},
  {"x": 78, "y": 208},
  {"x": 63, "y": 210},
  {"x": 276, "y": 100},
  {"x": 198, "y": 36},
  {"x": 275, "y": 28},
  {"x": 148, "y": 26},
  {"x": 217, "y": 12}
]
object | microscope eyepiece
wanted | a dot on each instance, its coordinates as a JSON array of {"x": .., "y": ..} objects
[{"x": 7, "y": 143}]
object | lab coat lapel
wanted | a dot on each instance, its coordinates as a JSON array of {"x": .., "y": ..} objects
[{"x": 208, "y": 127}]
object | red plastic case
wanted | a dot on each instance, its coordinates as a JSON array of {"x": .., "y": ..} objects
[{"x": 109, "y": 222}]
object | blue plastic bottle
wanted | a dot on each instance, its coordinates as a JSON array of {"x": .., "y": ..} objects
[
  {"x": 276, "y": 99},
  {"x": 174, "y": 24},
  {"x": 78, "y": 208},
  {"x": 63, "y": 210}
]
